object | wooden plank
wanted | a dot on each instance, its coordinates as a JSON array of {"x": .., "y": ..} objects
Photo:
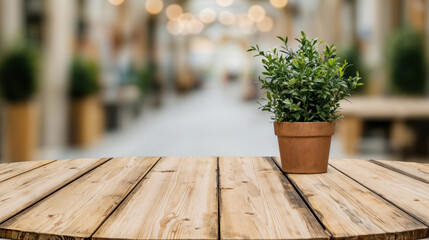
[
  {"x": 347, "y": 209},
  {"x": 178, "y": 200},
  {"x": 407, "y": 193},
  {"x": 10, "y": 170},
  {"x": 418, "y": 171},
  {"x": 26, "y": 189},
  {"x": 258, "y": 202},
  {"x": 77, "y": 210}
]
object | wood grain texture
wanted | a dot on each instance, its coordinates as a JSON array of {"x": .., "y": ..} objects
[
  {"x": 77, "y": 210},
  {"x": 418, "y": 171},
  {"x": 407, "y": 193},
  {"x": 22, "y": 191},
  {"x": 258, "y": 202},
  {"x": 177, "y": 200},
  {"x": 347, "y": 209},
  {"x": 10, "y": 170}
]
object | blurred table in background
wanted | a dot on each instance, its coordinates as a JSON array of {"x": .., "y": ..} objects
[{"x": 398, "y": 111}]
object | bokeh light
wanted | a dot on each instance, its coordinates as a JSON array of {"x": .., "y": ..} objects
[
  {"x": 256, "y": 13},
  {"x": 279, "y": 3},
  {"x": 244, "y": 23},
  {"x": 173, "y": 27},
  {"x": 207, "y": 15},
  {"x": 116, "y": 2},
  {"x": 266, "y": 24},
  {"x": 173, "y": 11},
  {"x": 226, "y": 18},
  {"x": 197, "y": 26},
  {"x": 224, "y": 3},
  {"x": 154, "y": 6}
]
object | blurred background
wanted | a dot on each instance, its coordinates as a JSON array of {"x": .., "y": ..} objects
[{"x": 172, "y": 77}]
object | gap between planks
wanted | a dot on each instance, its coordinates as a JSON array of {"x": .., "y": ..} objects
[
  {"x": 300, "y": 195},
  {"x": 126, "y": 196},
  {"x": 380, "y": 195},
  {"x": 398, "y": 170},
  {"x": 27, "y": 170},
  {"x": 59, "y": 188},
  {"x": 20, "y": 231},
  {"x": 219, "y": 199}
]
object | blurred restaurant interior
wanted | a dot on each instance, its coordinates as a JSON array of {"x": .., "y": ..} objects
[{"x": 173, "y": 77}]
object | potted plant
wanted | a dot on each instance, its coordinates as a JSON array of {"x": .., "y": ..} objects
[
  {"x": 18, "y": 85},
  {"x": 86, "y": 112},
  {"x": 303, "y": 90}
]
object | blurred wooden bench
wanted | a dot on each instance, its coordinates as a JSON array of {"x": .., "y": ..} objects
[{"x": 358, "y": 110}]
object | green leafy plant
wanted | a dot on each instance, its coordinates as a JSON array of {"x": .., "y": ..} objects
[
  {"x": 83, "y": 78},
  {"x": 304, "y": 85},
  {"x": 407, "y": 62},
  {"x": 18, "y": 75}
]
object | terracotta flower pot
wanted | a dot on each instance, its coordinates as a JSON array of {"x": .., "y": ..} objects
[
  {"x": 87, "y": 122},
  {"x": 21, "y": 131},
  {"x": 304, "y": 146}
]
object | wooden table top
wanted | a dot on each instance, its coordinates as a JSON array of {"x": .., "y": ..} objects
[{"x": 210, "y": 198}]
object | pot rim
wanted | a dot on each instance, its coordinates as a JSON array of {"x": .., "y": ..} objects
[{"x": 304, "y": 129}]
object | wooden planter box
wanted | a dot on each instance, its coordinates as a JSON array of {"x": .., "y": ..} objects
[
  {"x": 86, "y": 121},
  {"x": 21, "y": 131}
]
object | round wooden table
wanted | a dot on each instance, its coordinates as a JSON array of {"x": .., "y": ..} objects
[{"x": 210, "y": 198}]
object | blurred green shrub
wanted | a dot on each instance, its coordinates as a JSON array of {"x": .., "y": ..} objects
[
  {"x": 83, "y": 78},
  {"x": 147, "y": 77},
  {"x": 407, "y": 62},
  {"x": 353, "y": 56},
  {"x": 18, "y": 75}
]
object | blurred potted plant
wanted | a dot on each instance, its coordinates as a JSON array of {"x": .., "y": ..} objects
[
  {"x": 407, "y": 62},
  {"x": 355, "y": 64},
  {"x": 18, "y": 85},
  {"x": 86, "y": 111},
  {"x": 303, "y": 90}
]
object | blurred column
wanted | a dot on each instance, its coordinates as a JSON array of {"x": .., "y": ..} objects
[
  {"x": 58, "y": 54},
  {"x": 416, "y": 13},
  {"x": 10, "y": 21},
  {"x": 426, "y": 35},
  {"x": 287, "y": 21},
  {"x": 326, "y": 20},
  {"x": 380, "y": 20}
]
